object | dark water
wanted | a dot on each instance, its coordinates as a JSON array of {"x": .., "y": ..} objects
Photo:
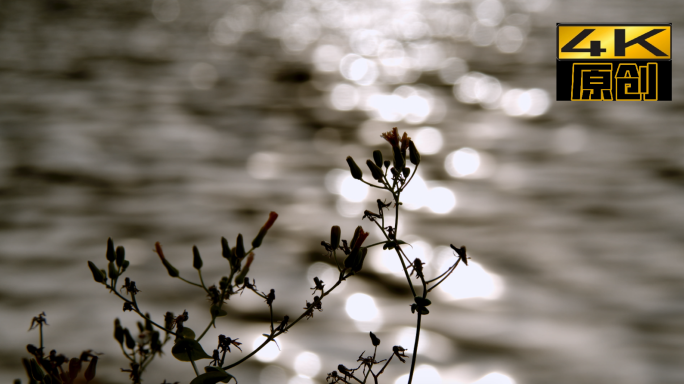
[{"x": 184, "y": 122}]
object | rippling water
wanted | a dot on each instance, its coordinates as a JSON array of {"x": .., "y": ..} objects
[{"x": 184, "y": 121}]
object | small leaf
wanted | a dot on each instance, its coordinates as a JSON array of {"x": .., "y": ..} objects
[
  {"x": 421, "y": 301},
  {"x": 98, "y": 276},
  {"x": 90, "y": 371},
  {"x": 213, "y": 377},
  {"x": 36, "y": 372},
  {"x": 209, "y": 368},
  {"x": 180, "y": 350},
  {"x": 217, "y": 312},
  {"x": 188, "y": 333},
  {"x": 74, "y": 367}
]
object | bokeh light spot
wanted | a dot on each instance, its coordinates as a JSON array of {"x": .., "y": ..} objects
[
  {"x": 441, "y": 200},
  {"x": 268, "y": 353},
  {"x": 495, "y": 378},
  {"x": 307, "y": 364},
  {"x": 469, "y": 282},
  {"x": 361, "y": 307},
  {"x": 428, "y": 140},
  {"x": 463, "y": 162}
]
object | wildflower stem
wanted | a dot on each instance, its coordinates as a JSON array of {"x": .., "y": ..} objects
[
  {"x": 136, "y": 310},
  {"x": 373, "y": 185},
  {"x": 191, "y": 283},
  {"x": 374, "y": 244},
  {"x": 410, "y": 178},
  {"x": 193, "y": 365},
  {"x": 40, "y": 326},
  {"x": 337, "y": 262},
  {"x": 415, "y": 350},
  {"x": 199, "y": 271},
  {"x": 270, "y": 307},
  {"x": 276, "y": 334},
  {"x": 126, "y": 354},
  {"x": 213, "y": 318},
  {"x": 453, "y": 268}
]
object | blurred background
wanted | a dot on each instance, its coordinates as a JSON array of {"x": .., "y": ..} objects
[{"x": 183, "y": 121}]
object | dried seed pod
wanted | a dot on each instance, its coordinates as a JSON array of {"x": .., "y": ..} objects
[
  {"x": 355, "y": 170},
  {"x": 196, "y": 258}
]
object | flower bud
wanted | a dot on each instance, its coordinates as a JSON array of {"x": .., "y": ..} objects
[
  {"x": 125, "y": 265},
  {"x": 130, "y": 342},
  {"x": 196, "y": 259},
  {"x": 113, "y": 272},
  {"x": 74, "y": 368},
  {"x": 359, "y": 237},
  {"x": 97, "y": 274},
  {"x": 111, "y": 254},
  {"x": 120, "y": 255},
  {"x": 355, "y": 170},
  {"x": 223, "y": 283},
  {"x": 422, "y": 301},
  {"x": 399, "y": 161},
  {"x": 359, "y": 262},
  {"x": 406, "y": 172},
  {"x": 173, "y": 272},
  {"x": 239, "y": 247},
  {"x": 357, "y": 232},
  {"x": 118, "y": 331},
  {"x": 377, "y": 157},
  {"x": 90, "y": 371},
  {"x": 375, "y": 171},
  {"x": 374, "y": 339},
  {"x": 168, "y": 320},
  {"x": 243, "y": 273},
  {"x": 335, "y": 234},
  {"x": 225, "y": 248},
  {"x": 387, "y": 163},
  {"x": 414, "y": 155},
  {"x": 256, "y": 243}
]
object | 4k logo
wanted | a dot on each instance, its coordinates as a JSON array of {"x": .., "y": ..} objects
[{"x": 614, "y": 62}]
